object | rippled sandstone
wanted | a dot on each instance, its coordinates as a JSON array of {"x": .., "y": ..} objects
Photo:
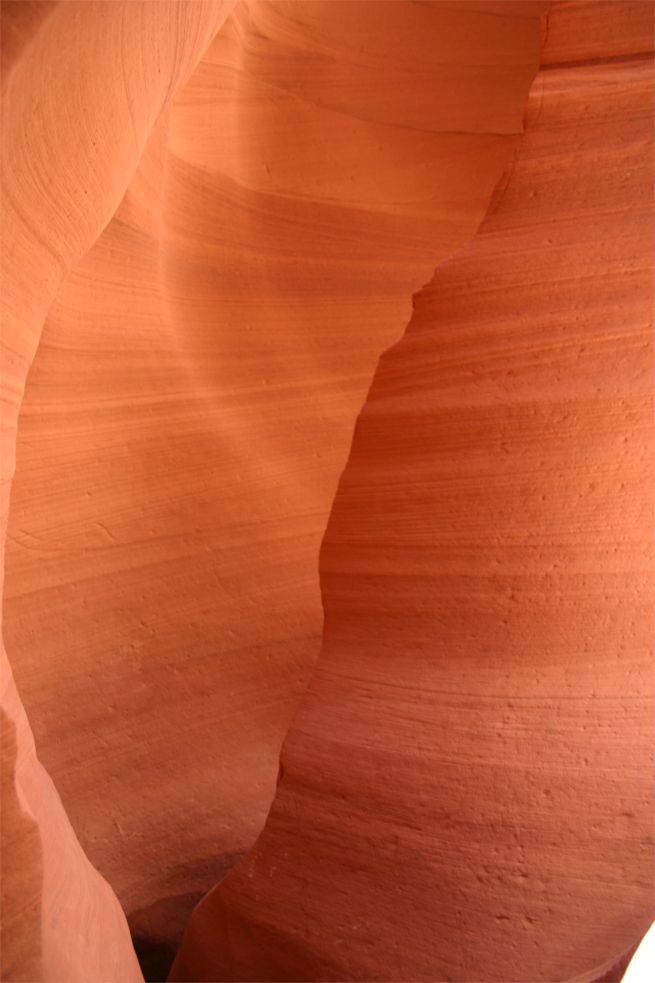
[{"x": 214, "y": 225}]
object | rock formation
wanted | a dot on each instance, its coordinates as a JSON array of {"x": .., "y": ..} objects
[
  {"x": 466, "y": 790},
  {"x": 214, "y": 219}
]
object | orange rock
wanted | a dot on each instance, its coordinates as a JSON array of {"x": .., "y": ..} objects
[
  {"x": 466, "y": 790},
  {"x": 211, "y": 232},
  {"x": 82, "y": 84},
  {"x": 190, "y": 409}
]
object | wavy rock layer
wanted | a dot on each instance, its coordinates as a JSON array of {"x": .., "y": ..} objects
[
  {"x": 190, "y": 407},
  {"x": 466, "y": 790},
  {"x": 82, "y": 85}
]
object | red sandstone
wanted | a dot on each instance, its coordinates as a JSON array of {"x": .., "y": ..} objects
[{"x": 215, "y": 217}]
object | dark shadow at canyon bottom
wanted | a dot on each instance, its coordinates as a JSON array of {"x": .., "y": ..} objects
[{"x": 154, "y": 952}]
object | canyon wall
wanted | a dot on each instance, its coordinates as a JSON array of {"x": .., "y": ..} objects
[
  {"x": 215, "y": 216},
  {"x": 191, "y": 404},
  {"x": 466, "y": 791},
  {"x": 82, "y": 85}
]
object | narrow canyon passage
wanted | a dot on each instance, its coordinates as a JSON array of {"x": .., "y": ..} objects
[{"x": 464, "y": 789}]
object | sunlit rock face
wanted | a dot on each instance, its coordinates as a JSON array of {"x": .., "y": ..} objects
[{"x": 217, "y": 217}]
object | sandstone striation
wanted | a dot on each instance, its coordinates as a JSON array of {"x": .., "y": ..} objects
[
  {"x": 190, "y": 408},
  {"x": 466, "y": 790},
  {"x": 215, "y": 216}
]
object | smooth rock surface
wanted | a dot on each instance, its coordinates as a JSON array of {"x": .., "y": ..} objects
[
  {"x": 466, "y": 791},
  {"x": 191, "y": 404},
  {"x": 73, "y": 129},
  {"x": 214, "y": 218}
]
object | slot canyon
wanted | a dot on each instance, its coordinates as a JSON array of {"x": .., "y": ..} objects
[{"x": 327, "y": 491}]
